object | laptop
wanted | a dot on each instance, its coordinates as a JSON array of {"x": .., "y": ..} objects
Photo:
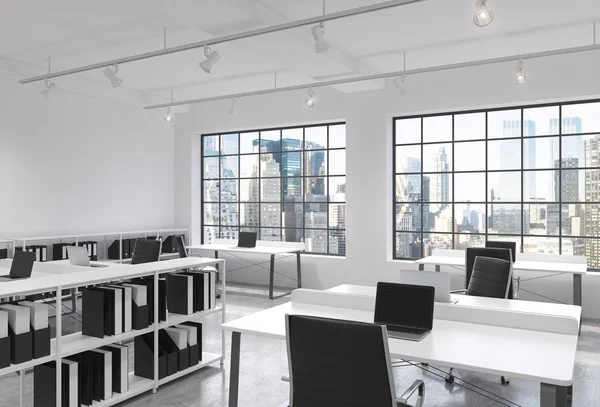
[
  {"x": 79, "y": 256},
  {"x": 21, "y": 267},
  {"x": 247, "y": 240},
  {"x": 406, "y": 310},
  {"x": 439, "y": 281}
]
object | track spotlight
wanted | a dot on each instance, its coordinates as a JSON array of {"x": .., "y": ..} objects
[
  {"x": 111, "y": 74},
  {"x": 51, "y": 87},
  {"x": 169, "y": 117},
  {"x": 400, "y": 84},
  {"x": 310, "y": 102},
  {"x": 233, "y": 111},
  {"x": 520, "y": 76},
  {"x": 483, "y": 15},
  {"x": 318, "y": 32},
  {"x": 211, "y": 58}
]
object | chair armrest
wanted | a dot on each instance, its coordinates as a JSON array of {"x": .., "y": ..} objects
[
  {"x": 417, "y": 385},
  {"x": 285, "y": 378},
  {"x": 463, "y": 291}
]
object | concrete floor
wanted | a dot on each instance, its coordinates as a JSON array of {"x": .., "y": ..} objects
[{"x": 263, "y": 362}]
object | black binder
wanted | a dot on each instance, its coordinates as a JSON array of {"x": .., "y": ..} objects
[
  {"x": 59, "y": 251},
  {"x": 143, "y": 355},
  {"x": 5, "y": 352},
  {"x": 3, "y": 253},
  {"x": 41, "y": 342},
  {"x": 198, "y": 327},
  {"x": 93, "y": 312},
  {"x": 183, "y": 355},
  {"x": 162, "y": 297},
  {"x": 178, "y": 292},
  {"x": 21, "y": 346},
  {"x": 116, "y": 367},
  {"x": 170, "y": 244},
  {"x": 98, "y": 367},
  {"x": 85, "y": 377},
  {"x": 44, "y": 385},
  {"x": 113, "y": 249}
]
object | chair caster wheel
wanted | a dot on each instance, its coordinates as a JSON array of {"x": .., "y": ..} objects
[
  {"x": 450, "y": 379},
  {"x": 504, "y": 381}
]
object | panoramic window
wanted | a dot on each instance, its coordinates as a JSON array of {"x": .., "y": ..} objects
[
  {"x": 527, "y": 174},
  {"x": 286, "y": 184}
]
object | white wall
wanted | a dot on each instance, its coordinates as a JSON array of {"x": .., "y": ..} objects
[
  {"x": 75, "y": 164},
  {"x": 369, "y": 183}
]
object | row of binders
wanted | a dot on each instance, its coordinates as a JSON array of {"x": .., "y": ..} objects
[
  {"x": 169, "y": 245},
  {"x": 24, "y": 332},
  {"x": 118, "y": 308},
  {"x": 59, "y": 250},
  {"x": 41, "y": 252},
  {"x": 87, "y": 377},
  {"x": 179, "y": 348}
]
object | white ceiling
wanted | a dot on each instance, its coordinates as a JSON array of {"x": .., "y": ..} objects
[{"x": 76, "y": 33}]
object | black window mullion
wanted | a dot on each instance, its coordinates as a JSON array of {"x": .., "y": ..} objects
[
  {"x": 487, "y": 187},
  {"x": 452, "y": 201},
  {"x": 560, "y": 163},
  {"x": 523, "y": 179}
]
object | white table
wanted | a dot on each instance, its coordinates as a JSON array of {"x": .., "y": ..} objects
[
  {"x": 273, "y": 251},
  {"x": 544, "y": 357},
  {"x": 529, "y": 262}
]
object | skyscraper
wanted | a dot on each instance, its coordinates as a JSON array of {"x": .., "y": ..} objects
[
  {"x": 440, "y": 183},
  {"x": 592, "y": 195},
  {"x": 512, "y": 128},
  {"x": 566, "y": 189},
  {"x": 570, "y": 125}
]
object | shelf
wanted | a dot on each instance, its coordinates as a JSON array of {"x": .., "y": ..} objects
[
  {"x": 30, "y": 364},
  {"x": 176, "y": 319},
  {"x": 207, "y": 359},
  {"x": 77, "y": 343},
  {"x": 137, "y": 386},
  {"x": 164, "y": 256}
]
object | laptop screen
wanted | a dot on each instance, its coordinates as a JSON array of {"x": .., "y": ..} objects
[
  {"x": 409, "y": 306},
  {"x": 247, "y": 239},
  {"x": 22, "y": 264}
]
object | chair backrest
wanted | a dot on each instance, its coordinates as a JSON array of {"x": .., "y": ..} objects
[
  {"x": 490, "y": 278},
  {"x": 498, "y": 244},
  {"x": 341, "y": 363},
  {"x": 472, "y": 252},
  {"x": 146, "y": 251},
  {"x": 181, "y": 247}
]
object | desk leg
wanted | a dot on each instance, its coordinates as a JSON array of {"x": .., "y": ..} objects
[
  {"x": 421, "y": 267},
  {"x": 73, "y": 299},
  {"x": 299, "y": 269},
  {"x": 570, "y": 394},
  {"x": 553, "y": 396},
  {"x": 577, "y": 289},
  {"x": 272, "y": 276},
  {"x": 437, "y": 268},
  {"x": 234, "y": 371}
]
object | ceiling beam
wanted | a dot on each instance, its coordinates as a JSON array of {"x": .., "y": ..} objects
[{"x": 227, "y": 38}]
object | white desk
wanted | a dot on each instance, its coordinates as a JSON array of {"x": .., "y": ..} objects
[
  {"x": 529, "y": 262},
  {"x": 544, "y": 357},
  {"x": 273, "y": 251}
]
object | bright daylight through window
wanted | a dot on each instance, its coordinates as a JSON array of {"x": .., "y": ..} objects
[
  {"x": 529, "y": 175},
  {"x": 286, "y": 184}
]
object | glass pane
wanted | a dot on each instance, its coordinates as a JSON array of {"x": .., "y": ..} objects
[
  {"x": 210, "y": 234},
  {"x": 505, "y": 219},
  {"x": 211, "y": 167},
  {"x": 211, "y": 191},
  {"x": 437, "y": 157},
  {"x": 545, "y": 245},
  {"x": 249, "y": 190},
  {"x": 504, "y": 186},
  {"x": 504, "y": 155},
  {"x": 337, "y": 136},
  {"x": 337, "y": 189},
  {"x": 229, "y": 191},
  {"x": 211, "y": 145},
  {"x": 592, "y": 251},
  {"x": 408, "y": 217},
  {"x": 270, "y": 234},
  {"x": 434, "y": 241},
  {"x": 292, "y": 139},
  {"x": 470, "y": 126},
  {"x": 437, "y": 128},
  {"x": 337, "y": 216},
  {"x": 337, "y": 242},
  {"x": 249, "y": 166},
  {"x": 315, "y": 138},
  {"x": 540, "y": 153},
  {"x": 469, "y": 156},
  {"x": 249, "y": 215},
  {"x": 469, "y": 187},
  {"x": 469, "y": 218},
  {"x": 553, "y": 222},
  {"x": 539, "y": 186},
  {"x": 315, "y": 189},
  {"x": 540, "y": 121},
  {"x": 437, "y": 188},
  {"x": 463, "y": 241},
  {"x": 270, "y": 215},
  {"x": 292, "y": 189},
  {"x": 573, "y": 151},
  {"x": 581, "y": 118},
  {"x": 316, "y": 163},
  {"x": 229, "y": 167},
  {"x": 575, "y": 246},
  {"x": 270, "y": 190},
  {"x": 581, "y": 219},
  {"x": 291, "y": 164},
  {"x": 408, "y": 159},
  {"x": 504, "y": 123},
  {"x": 229, "y": 144},
  {"x": 535, "y": 219},
  {"x": 270, "y": 165},
  {"x": 293, "y": 235},
  {"x": 316, "y": 241},
  {"x": 249, "y": 143},
  {"x": 441, "y": 220},
  {"x": 408, "y": 245},
  {"x": 230, "y": 215},
  {"x": 293, "y": 215},
  {"x": 572, "y": 185},
  {"x": 408, "y": 188},
  {"x": 270, "y": 140},
  {"x": 211, "y": 214},
  {"x": 337, "y": 162},
  {"x": 408, "y": 131},
  {"x": 229, "y": 233},
  {"x": 315, "y": 216}
]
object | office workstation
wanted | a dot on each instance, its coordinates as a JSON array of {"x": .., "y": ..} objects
[{"x": 300, "y": 203}]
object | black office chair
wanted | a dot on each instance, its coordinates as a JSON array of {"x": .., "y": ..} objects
[
  {"x": 498, "y": 244},
  {"x": 342, "y": 363},
  {"x": 496, "y": 253},
  {"x": 146, "y": 251}
]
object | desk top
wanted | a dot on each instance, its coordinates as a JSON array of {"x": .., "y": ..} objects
[
  {"x": 495, "y": 350},
  {"x": 232, "y": 248},
  {"x": 519, "y": 265}
]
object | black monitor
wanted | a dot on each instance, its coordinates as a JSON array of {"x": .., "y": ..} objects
[
  {"x": 22, "y": 264},
  {"x": 404, "y": 305},
  {"x": 247, "y": 239},
  {"x": 146, "y": 251}
]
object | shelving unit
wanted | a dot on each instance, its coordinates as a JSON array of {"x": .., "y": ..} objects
[{"x": 64, "y": 346}]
